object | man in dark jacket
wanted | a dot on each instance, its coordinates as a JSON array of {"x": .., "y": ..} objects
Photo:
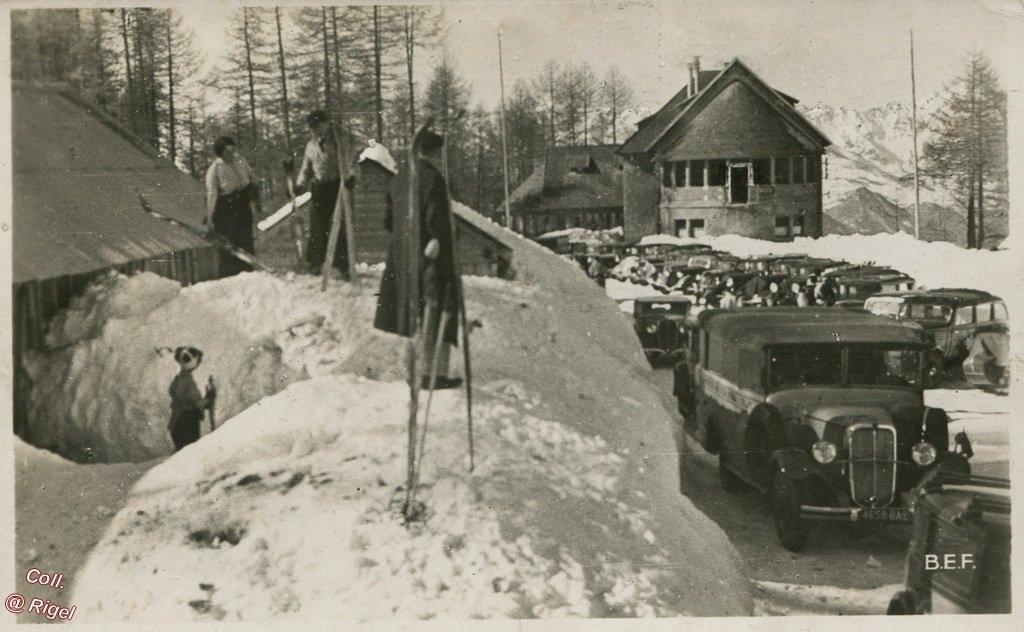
[{"x": 438, "y": 280}]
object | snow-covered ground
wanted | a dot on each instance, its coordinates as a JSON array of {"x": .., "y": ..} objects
[{"x": 290, "y": 510}]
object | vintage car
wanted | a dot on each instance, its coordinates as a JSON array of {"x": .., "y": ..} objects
[
  {"x": 987, "y": 365},
  {"x": 867, "y": 282},
  {"x": 658, "y": 322},
  {"x": 803, "y": 266},
  {"x": 959, "y": 556},
  {"x": 951, "y": 318},
  {"x": 822, "y": 408},
  {"x": 887, "y": 303}
]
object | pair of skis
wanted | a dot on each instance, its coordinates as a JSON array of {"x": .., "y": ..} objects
[{"x": 413, "y": 295}]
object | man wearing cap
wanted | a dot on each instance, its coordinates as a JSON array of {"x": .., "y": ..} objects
[{"x": 320, "y": 171}]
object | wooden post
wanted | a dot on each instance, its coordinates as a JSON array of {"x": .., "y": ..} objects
[{"x": 342, "y": 213}]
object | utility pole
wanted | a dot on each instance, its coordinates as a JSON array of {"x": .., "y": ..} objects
[
  {"x": 917, "y": 184},
  {"x": 504, "y": 147}
]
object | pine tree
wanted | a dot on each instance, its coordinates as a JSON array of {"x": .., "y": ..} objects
[
  {"x": 614, "y": 95},
  {"x": 968, "y": 148},
  {"x": 546, "y": 86}
]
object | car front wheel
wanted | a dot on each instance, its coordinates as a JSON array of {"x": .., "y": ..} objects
[{"x": 791, "y": 529}]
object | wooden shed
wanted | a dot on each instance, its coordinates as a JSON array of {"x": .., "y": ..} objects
[{"x": 484, "y": 248}]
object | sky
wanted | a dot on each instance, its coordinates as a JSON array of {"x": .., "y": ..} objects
[{"x": 847, "y": 53}]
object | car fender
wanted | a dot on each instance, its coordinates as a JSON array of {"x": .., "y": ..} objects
[{"x": 794, "y": 463}]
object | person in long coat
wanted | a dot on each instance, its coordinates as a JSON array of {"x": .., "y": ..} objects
[{"x": 438, "y": 276}]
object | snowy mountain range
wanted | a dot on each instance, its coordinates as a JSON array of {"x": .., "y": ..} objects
[{"x": 873, "y": 149}]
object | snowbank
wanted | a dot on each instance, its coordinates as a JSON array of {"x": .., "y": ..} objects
[
  {"x": 290, "y": 509},
  {"x": 101, "y": 390}
]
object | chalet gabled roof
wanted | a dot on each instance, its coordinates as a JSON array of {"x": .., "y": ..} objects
[
  {"x": 671, "y": 121},
  {"x": 582, "y": 177}
]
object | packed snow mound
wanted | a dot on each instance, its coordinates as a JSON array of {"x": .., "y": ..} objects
[
  {"x": 236, "y": 528},
  {"x": 101, "y": 392},
  {"x": 291, "y": 509}
]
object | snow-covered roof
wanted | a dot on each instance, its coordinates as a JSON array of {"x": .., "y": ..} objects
[{"x": 379, "y": 154}]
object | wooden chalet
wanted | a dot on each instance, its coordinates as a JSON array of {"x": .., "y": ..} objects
[
  {"x": 572, "y": 187},
  {"x": 727, "y": 154}
]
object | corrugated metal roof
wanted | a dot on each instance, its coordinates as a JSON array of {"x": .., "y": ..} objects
[{"x": 77, "y": 181}]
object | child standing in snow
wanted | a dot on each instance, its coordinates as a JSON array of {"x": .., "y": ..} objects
[{"x": 187, "y": 403}]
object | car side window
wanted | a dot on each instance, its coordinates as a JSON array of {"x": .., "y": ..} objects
[
  {"x": 999, "y": 312},
  {"x": 964, "y": 315},
  {"x": 984, "y": 312}
]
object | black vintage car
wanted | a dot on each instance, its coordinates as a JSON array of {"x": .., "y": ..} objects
[
  {"x": 821, "y": 408},
  {"x": 959, "y": 556},
  {"x": 659, "y": 324},
  {"x": 951, "y": 319}
]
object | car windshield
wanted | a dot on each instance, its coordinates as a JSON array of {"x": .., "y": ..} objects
[
  {"x": 882, "y": 306},
  {"x": 791, "y": 366},
  {"x": 926, "y": 313}
]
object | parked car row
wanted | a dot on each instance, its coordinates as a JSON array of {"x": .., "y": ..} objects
[{"x": 967, "y": 329}]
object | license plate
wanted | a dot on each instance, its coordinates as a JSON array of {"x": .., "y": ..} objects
[{"x": 887, "y": 515}]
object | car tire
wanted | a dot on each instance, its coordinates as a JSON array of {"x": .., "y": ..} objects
[
  {"x": 791, "y": 529},
  {"x": 902, "y": 603}
]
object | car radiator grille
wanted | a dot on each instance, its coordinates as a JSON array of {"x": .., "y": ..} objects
[{"x": 872, "y": 464}]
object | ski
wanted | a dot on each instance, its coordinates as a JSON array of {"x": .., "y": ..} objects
[
  {"x": 342, "y": 212},
  {"x": 464, "y": 325},
  {"x": 286, "y": 211},
  {"x": 210, "y": 238},
  {"x": 413, "y": 291}
]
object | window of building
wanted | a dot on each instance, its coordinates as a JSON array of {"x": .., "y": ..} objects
[
  {"x": 782, "y": 226},
  {"x": 666, "y": 174},
  {"x": 680, "y": 228},
  {"x": 718, "y": 173},
  {"x": 696, "y": 173},
  {"x": 696, "y": 228},
  {"x": 798, "y": 169},
  {"x": 813, "y": 168},
  {"x": 762, "y": 171},
  {"x": 798, "y": 225},
  {"x": 680, "y": 173},
  {"x": 782, "y": 170}
]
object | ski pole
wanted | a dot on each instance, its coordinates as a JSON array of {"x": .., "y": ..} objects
[
  {"x": 432, "y": 381},
  {"x": 211, "y": 395}
]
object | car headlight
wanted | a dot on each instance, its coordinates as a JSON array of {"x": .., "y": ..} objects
[
  {"x": 824, "y": 451},
  {"x": 651, "y": 328},
  {"x": 923, "y": 453}
]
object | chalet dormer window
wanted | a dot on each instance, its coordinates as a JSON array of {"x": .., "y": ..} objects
[{"x": 585, "y": 167}]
